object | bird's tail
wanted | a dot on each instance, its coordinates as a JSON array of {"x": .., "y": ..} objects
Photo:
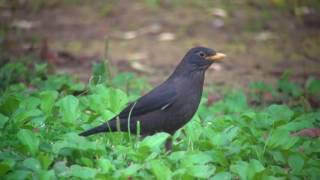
[{"x": 105, "y": 127}]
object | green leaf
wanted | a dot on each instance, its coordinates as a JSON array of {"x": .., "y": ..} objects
[
  {"x": 3, "y": 120},
  {"x": 129, "y": 171},
  {"x": 46, "y": 175},
  {"x": 19, "y": 174},
  {"x": 193, "y": 158},
  {"x": 30, "y": 102},
  {"x": 288, "y": 87},
  {"x": 32, "y": 164},
  {"x": 69, "y": 109},
  {"x": 61, "y": 169},
  {"x": 240, "y": 168},
  {"x": 160, "y": 170},
  {"x": 272, "y": 178},
  {"x": 193, "y": 128},
  {"x": 222, "y": 176},
  {"x": 247, "y": 170},
  {"x": 22, "y": 115},
  {"x": 118, "y": 99},
  {"x": 278, "y": 156},
  {"x": 313, "y": 86},
  {"x": 255, "y": 167},
  {"x": 8, "y": 104},
  {"x": 29, "y": 140},
  {"x": 82, "y": 172},
  {"x": 296, "y": 162},
  {"x": 45, "y": 160},
  {"x": 281, "y": 139},
  {"x": 47, "y": 100},
  {"x": 105, "y": 165},
  {"x": 103, "y": 98},
  {"x": 6, "y": 165},
  {"x": 154, "y": 142},
  {"x": 280, "y": 112},
  {"x": 99, "y": 73},
  {"x": 73, "y": 141},
  {"x": 201, "y": 171}
]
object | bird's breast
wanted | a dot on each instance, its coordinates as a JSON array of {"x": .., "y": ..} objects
[{"x": 189, "y": 96}]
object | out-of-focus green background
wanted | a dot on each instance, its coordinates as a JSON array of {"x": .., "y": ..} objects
[{"x": 261, "y": 38}]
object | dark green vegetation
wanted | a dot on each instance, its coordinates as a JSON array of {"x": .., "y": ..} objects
[{"x": 40, "y": 116}]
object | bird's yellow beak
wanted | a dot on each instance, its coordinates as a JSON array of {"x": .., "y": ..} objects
[{"x": 216, "y": 57}]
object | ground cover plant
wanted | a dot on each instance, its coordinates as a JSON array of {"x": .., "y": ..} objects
[{"x": 245, "y": 135}]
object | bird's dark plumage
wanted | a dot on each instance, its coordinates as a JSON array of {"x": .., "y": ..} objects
[{"x": 171, "y": 104}]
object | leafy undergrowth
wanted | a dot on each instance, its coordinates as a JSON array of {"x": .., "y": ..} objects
[{"x": 41, "y": 115}]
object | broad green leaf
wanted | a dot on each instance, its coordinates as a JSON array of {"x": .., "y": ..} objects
[
  {"x": 99, "y": 73},
  {"x": 82, "y": 172},
  {"x": 296, "y": 162},
  {"x": 278, "y": 156},
  {"x": 247, "y": 170},
  {"x": 201, "y": 171},
  {"x": 30, "y": 103},
  {"x": 177, "y": 156},
  {"x": 21, "y": 115},
  {"x": 47, "y": 100},
  {"x": 193, "y": 158},
  {"x": 280, "y": 112},
  {"x": 19, "y": 174},
  {"x": 288, "y": 87},
  {"x": 313, "y": 86},
  {"x": 294, "y": 126},
  {"x": 154, "y": 142},
  {"x": 240, "y": 168},
  {"x": 32, "y": 164},
  {"x": 3, "y": 120},
  {"x": 225, "y": 137},
  {"x": 61, "y": 169},
  {"x": 8, "y": 104},
  {"x": 46, "y": 175},
  {"x": 45, "y": 160},
  {"x": 69, "y": 109},
  {"x": 193, "y": 129},
  {"x": 255, "y": 167},
  {"x": 281, "y": 139},
  {"x": 72, "y": 140},
  {"x": 105, "y": 165},
  {"x": 272, "y": 178},
  {"x": 118, "y": 99},
  {"x": 29, "y": 140},
  {"x": 6, "y": 165},
  {"x": 160, "y": 170},
  {"x": 222, "y": 176},
  {"x": 128, "y": 172}
]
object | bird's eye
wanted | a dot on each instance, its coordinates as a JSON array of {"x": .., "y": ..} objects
[{"x": 201, "y": 54}]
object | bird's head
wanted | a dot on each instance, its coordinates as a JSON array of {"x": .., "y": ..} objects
[
  {"x": 197, "y": 59},
  {"x": 202, "y": 57}
]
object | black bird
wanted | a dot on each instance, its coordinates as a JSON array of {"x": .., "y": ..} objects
[{"x": 171, "y": 104}]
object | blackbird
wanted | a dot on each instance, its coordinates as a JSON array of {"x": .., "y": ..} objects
[{"x": 170, "y": 105}]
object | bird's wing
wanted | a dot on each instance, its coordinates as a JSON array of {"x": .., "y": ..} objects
[{"x": 158, "y": 99}]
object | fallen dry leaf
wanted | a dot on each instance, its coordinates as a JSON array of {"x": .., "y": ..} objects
[
  {"x": 141, "y": 67},
  {"x": 166, "y": 36},
  {"x": 23, "y": 24},
  {"x": 218, "y": 12},
  {"x": 137, "y": 56},
  {"x": 129, "y": 35}
]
